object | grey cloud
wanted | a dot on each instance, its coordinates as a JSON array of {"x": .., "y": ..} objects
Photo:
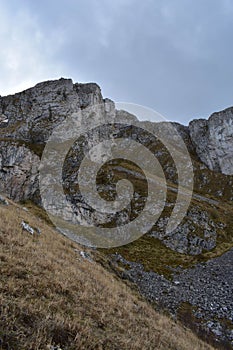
[{"x": 172, "y": 56}]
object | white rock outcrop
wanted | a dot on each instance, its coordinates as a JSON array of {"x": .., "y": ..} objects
[
  {"x": 213, "y": 140},
  {"x": 27, "y": 119},
  {"x": 32, "y": 114}
]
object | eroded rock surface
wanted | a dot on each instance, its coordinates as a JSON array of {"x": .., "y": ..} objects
[
  {"x": 18, "y": 171},
  {"x": 34, "y": 113},
  {"x": 27, "y": 119},
  {"x": 213, "y": 140}
]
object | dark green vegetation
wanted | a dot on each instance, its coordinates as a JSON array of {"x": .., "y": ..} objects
[{"x": 154, "y": 255}]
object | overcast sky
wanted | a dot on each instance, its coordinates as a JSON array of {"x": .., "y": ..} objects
[{"x": 175, "y": 56}]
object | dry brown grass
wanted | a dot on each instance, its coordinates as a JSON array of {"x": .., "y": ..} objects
[{"x": 50, "y": 295}]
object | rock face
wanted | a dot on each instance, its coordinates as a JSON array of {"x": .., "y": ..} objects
[
  {"x": 32, "y": 114},
  {"x": 26, "y": 121},
  {"x": 18, "y": 171},
  {"x": 185, "y": 238},
  {"x": 213, "y": 140}
]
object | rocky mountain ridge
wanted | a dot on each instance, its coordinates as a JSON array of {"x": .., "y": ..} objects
[{"x": 27, "y": 119}]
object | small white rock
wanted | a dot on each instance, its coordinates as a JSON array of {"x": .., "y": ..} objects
[{"x": 27, "y": 227}]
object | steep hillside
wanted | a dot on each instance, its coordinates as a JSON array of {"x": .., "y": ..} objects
[{"x": 54, "y": 295}]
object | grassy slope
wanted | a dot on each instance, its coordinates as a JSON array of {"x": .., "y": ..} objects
[
  {"x": 152, "y": 253},
  {"x": 50, "y": 295}
]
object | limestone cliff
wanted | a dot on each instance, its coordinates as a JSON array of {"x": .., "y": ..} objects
[
  {"x": 26, "y": 121},
  {"x": 32, "y": 114},
  {"x": 18, "y": 171},
  {"x": 213, "y": 140}
]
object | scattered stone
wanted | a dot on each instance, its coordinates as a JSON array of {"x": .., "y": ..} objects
[
  {"x": 3, "y": 201},
  {"x": 85, "y": 255},
  {"x": 38, "y": 231},
  {"x": 54, "y": 347},
  {"x": 30, "y": 229},
  {"x": 27, "y": 227},
  {"x": 176, "y": 283},
  {"x": 207, "y": 287},
  {"x": 3, "y": 120}
]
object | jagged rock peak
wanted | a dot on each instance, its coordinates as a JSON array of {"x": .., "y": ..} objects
[
  {"x": 31, "y": 115},
  {"x": 50, "y": 94},
  {"x": 213, "y": 140},
  {"x": 66, "y": 83},
  {"x": 52, "y": 83}
]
